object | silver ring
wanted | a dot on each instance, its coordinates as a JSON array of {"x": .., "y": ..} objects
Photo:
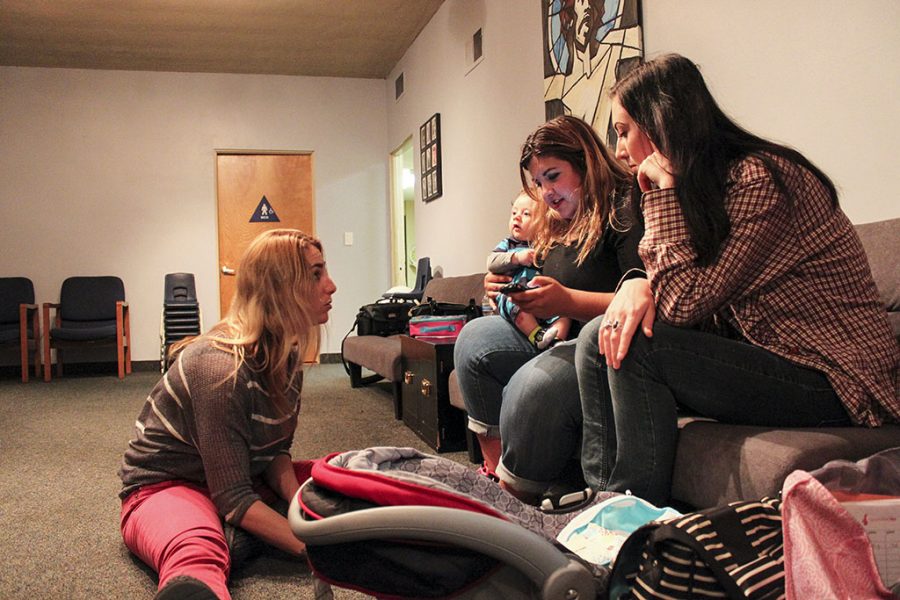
[{"x": 615, "y": 325}]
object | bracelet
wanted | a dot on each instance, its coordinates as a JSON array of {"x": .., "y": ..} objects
[{"x": 634, "y": 273}]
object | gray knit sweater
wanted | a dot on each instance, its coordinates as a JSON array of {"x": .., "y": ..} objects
[{"x": 198, "y": 426}]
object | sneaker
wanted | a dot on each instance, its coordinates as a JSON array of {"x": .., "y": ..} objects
[
  {"x": 544, "y": 338},
  {"x": 185, "y": 587},
  {"x": 553, "y": 502},
  {"x": 485, "y": 472}
]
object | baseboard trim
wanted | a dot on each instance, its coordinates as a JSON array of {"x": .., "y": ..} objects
[
  {"x": 102, "y": 368},
  {"x": 145, "y": 365},
  {"x": 137, "y": 366},
  {"x": 85, "y": 368}
]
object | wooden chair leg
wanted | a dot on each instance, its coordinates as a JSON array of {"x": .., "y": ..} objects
[
  {"x": 120, "y": 345},
  {"x": 36, "y": 340},
  {"x": 47, "y": 356},
  {"x": 24, "y": 359},
  {"x": 127, "y": 342},
  {"x": 23, "y": 343},
  {"x": 120, "y": 356}
]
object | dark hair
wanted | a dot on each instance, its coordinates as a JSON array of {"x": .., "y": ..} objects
[
  {"x": 568, "y": 25},
  {"x": 603, "y": 178},
  {"x": 668, "y": 99}
]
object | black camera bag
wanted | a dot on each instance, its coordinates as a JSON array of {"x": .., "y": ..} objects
[
  {"x": 385, "y": 317},
  {"x": 433, "y": 308}
]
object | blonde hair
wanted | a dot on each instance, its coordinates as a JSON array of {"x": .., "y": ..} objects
[
  {"x": 525, "y": 193},
  {"x": 269, "y": 315},
  {"x": 603, "y": 177}
]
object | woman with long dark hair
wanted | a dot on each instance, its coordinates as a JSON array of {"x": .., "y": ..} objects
[{"x": 766, "y": 309}]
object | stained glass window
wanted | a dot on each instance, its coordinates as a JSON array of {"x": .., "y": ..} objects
[{"x": 586, "y": 44}]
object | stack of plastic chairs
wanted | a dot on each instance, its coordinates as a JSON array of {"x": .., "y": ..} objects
[{"x": 181, "y": 313}]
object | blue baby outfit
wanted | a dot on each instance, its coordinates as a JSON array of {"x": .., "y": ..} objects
[{"x": 505, "y": 306}]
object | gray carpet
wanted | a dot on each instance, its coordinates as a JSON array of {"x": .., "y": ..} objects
[{"x": 60, "y": 447}]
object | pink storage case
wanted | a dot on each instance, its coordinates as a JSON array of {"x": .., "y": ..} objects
[{"x": 445, "y": 328}]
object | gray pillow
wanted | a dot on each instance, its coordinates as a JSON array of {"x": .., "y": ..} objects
[{"x": 881, "y": 241}]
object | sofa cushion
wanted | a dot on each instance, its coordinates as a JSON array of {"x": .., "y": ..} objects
[
  {"x": 881, "y": 241},
  {"x": 459, "y": 289},
  {"x": 717, "y": 463},
  {"x": 376, "y": 353}
]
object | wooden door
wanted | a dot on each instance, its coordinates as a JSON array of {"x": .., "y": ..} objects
[{"x": 258, "y": 192}]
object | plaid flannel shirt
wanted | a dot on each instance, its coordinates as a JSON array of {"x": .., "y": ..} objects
[{"x": 791, "y": 279}]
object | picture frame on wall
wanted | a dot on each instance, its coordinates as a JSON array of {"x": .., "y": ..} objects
[{"x": 430, "y": 158}]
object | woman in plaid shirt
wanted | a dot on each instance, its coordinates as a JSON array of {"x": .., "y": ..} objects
[{"x": 766, "y": 312}]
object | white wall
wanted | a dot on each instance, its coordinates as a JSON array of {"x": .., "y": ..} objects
[
  {"x": 820, "y": 75},
  {"x": 113, "y": 172},
  {"x": 485, "y": 116}
]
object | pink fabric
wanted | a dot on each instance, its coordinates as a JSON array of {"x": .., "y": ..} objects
[
  {"x": 174, "y": 527},
  {"x": 827, "y": 553}
]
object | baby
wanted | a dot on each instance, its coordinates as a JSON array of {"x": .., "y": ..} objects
[{"x": 514, "y": 256}]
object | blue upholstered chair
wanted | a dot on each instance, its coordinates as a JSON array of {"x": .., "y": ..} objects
[
  {"x": 19, "y": 325},
  {"x": 91, "y": 312}
]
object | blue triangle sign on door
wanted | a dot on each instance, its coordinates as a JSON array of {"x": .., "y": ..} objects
[{"x": 264, "y": 213}]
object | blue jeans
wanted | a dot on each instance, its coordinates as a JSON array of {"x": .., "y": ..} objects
[
  {"x": 630, "y": 414},
  {"x": 529, "y": 399}
]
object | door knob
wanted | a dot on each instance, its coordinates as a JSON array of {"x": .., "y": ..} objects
[{"x": 227, "y": 271}]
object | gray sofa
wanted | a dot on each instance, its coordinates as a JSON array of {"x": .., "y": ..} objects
[
  {"x": 381, "y": 355},
  {"x": 717, "y": 463}
]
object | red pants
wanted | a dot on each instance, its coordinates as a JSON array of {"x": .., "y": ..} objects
[{"x": 174, "y": 527}]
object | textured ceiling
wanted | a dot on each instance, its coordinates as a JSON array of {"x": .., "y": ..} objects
[{"x": 330, "y": 38}]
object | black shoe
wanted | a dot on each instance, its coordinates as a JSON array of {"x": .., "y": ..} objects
[
  {"x": 185, "y": 587},
  {"x": 243, "y": 546}
]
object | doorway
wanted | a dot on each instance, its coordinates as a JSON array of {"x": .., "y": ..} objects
[
  {"x": 403, "y": 221},
  {"x": 258, "y": 192}
]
